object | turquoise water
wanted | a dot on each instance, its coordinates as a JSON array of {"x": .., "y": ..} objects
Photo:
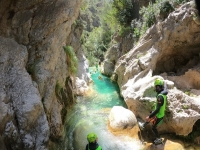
[
  {"x": 104, "y": 85},
  {"x": 107, "y": 92},
  {"x": 90, "y": 114}
]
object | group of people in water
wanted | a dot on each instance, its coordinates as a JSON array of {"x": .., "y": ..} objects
[{"x": 155, "y": 117}]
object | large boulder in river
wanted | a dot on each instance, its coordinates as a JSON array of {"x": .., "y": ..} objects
[{"x": 121, "y": 118}]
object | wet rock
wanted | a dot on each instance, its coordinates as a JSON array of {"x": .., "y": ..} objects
[{"x": 121, "y": 118}]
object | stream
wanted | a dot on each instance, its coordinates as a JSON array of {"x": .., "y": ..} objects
[{"x": 90, "y": 114}]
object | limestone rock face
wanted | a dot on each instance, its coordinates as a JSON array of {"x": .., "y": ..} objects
[
  {"x": 124, "y": 43},
  {"x": 35, "y": 88},
  {"x": 81, "y": 87},
  {"x": 169, "y": 50},
  {"x": 110, "y": 59},
  {"x": 182, "y": 113},
  {"x": 83, "y": 77},
  {"x": 121, "y": 118},
  {"x": 24, "y": 123},
  {"x": 115, "y": 52}
]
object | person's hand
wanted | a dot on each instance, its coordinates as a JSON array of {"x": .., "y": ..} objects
[{"x": 147, "y": 119}]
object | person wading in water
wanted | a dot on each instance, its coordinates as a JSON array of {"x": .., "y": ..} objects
[{"x": 92, "y": 145}]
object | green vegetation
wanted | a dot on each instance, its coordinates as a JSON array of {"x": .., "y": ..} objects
[
  {"x": 72, "y": 60},
  {"x": 63, "y": 114},
  {"x": 149, "y": 15},
  {"x": 189, "y": 93},
  {"x": 184, "y": 106},
  {"x": 180, "y": 111},
  {"x": 58, "y": 90},
  {"x": 97, "y": 34},
  {"x": 118, "y": 17},
  {"x": 96, "y": 44},
  {"x": 123, "y": 11},
  {"x": 157, "y": 11}
]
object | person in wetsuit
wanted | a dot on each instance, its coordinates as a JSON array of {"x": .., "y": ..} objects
[
  {"x": 156, "y": 116},
  {"x": 92, "y": 145}
]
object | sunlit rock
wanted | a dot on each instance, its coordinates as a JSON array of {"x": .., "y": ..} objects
[
  {"x": 110, "y": 59},
  {"x": 23, "y": 120},
  {"x": 32, "y": 69},
  {"x": 81, "y": 86},
  {"x": 75, "y": 41},
  {"x": 170, "y": 50},
  {"x": 121, "y": 118}
]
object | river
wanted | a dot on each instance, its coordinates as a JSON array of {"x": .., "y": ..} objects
[{"x": 90, "y": 114}]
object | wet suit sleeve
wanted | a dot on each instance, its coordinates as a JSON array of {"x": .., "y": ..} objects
[{"x": 160, "y": 102}]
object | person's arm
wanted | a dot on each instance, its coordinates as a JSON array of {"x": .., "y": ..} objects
[{"x": 160, "y": 102}]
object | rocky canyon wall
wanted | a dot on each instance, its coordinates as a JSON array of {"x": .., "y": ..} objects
[
  {"x": 35, "y": 88},
  {"x": 169, "y": 50}
]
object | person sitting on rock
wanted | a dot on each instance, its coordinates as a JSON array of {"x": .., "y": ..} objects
[
  {"x": 92, "y": 145},
  {"x": 156, "y": 116}
]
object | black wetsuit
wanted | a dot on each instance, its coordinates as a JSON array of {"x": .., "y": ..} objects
[
  {"x": 92, "y": 146},
  {"x": 155, "y": 120}
]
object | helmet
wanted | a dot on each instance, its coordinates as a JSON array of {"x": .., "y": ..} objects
[
  {"x": 91, "y": 137},
  {"x": 159, "y": 82}
]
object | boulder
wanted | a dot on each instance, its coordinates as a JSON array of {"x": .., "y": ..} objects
[{"x": 121, "y": 118}]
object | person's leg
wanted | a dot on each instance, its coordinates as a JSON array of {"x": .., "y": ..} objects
[
  {"x": 155, "y": 131},
  {"x": 157, "y": 122}
]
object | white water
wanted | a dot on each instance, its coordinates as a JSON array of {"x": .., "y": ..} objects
[{"x": 90, "y": 114}]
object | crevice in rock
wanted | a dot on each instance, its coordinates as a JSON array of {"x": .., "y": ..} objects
[
  {"x": 11, "y": 14},
  {"x": 194, "y": 136},
  {"x": 178, "y": 60},
  {"x": 181, "y": 66}
]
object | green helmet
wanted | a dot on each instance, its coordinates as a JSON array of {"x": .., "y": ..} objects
[
  {"x": 159, "y": 82},
  {"x": 91, "y": 137}
]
